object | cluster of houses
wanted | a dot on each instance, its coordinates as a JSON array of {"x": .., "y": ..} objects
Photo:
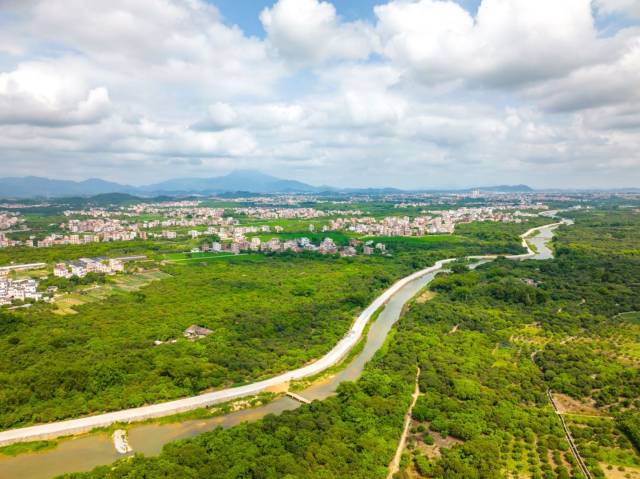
[
  {"x": 190, "y": 219},
  {"x": 9, "y": 220},
  {"x": 18, "y": 290},
  {"x": 297, "y": 245},
  {"x": 92, "y": 212},
  {"x": 160, "y": 207},
  {"x": 76, "y": 239},
  {"x": 393, "y": 225},
  {"x": 444, "y": 222},
  {"x": 84, "y": 266},
  {"x": 490, "y": 213},
  {"x": 7, "y": 242},
  {"x": 267, "y": 213},
  {"x": 94, "y": 225},
  {"x": 279, "y": 200}
]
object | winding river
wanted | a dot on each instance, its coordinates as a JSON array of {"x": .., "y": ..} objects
[{"x": 83, "y": 453}]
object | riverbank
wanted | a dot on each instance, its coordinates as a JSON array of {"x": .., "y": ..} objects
[{"x": 82, "y": 425}]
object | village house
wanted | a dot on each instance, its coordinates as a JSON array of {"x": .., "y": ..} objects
[
  {"x": 194, "y": 332},
  {"x": 19, "y": 290},
  {"x": 61, "y": 270},
  {"x": 327, "y": 247},
  {"x": 77, "y": 269},
  {"x": 348, "y": 251},
  {"x": 84, "y": 266}
]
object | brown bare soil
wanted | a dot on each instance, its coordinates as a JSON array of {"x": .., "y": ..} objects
[
  {"x": 628, "y": 473},
  {"x": 425, "y": 296},
  {"x": 568, "y": 405},
  {"x": 440, "y": 442}
]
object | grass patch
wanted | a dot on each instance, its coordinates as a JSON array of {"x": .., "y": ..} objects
[
  {"x": 66, "y": 304},
  {"x": 27, "y": 447},
  {"x": 344, "y": 362}
]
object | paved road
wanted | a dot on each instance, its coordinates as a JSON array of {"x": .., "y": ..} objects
[{"x": 85, "y": 424}]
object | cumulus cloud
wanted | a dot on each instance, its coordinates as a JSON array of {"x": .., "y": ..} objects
[
  {"x": 630, "y": 7},
  {"x": 600, "y": 85},
  {"x": 36, "y": 94},
  {"x": 306, "y": 31},
  {"x": 509, "y": 42},
  {"x": 221, "y": 116},
  {"x": 144, "y": 48},
  {"x": 428, "y": 94}
]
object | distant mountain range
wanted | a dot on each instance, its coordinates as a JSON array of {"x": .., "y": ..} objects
[
  {"x": 237, "y": 181},
  {"x": 240, "y": 180},
  {"x": 34, "y": 186}
]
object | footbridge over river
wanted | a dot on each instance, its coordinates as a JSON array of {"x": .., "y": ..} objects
[{"x": 298, "y": 398}]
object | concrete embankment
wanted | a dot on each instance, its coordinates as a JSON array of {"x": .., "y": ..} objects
[{"x": 86, "y": 424}]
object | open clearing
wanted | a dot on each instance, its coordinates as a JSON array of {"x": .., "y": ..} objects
[
  {"x": 569, "y": 405},
  {"x": 66, "y": 303}
]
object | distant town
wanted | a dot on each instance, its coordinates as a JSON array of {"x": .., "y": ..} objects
[{"x": 171, "y": 219}]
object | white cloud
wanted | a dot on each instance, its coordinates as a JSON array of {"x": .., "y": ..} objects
[
  {"x": 144, "y": 48},
  {"x": 630, "y": 7},
  {"x": 37, "y": 94},
  {"x": 255, "y": 115},
  {"x": 219, "y": 117},
  {"x": 307, "y": 31},
  {"x": 431, "y": 95},
  {"x": 614, "y": 81},
  {"x": 509, "y": 42}
]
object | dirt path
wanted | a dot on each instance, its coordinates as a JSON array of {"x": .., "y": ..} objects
[
  {"x": 574, "y": 449},
  {"x": 395, "y": 464}
]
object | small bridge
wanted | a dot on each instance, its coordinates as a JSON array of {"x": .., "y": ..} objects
[{"x": 298, "y": 398}]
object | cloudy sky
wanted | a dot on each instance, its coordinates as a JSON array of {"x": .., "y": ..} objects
[{"x": 424, "y": 93}]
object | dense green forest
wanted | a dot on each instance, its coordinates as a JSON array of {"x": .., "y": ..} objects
[
  {"x": 499, "y": 337},
  {"x": 267, "y": 313},
  {"x": 490, "y": 345},
  {"x": 350, "y": 435}
]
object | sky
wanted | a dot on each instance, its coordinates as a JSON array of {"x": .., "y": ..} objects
[{"x": 360, "y": 93}]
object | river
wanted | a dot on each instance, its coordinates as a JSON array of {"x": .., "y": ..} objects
[{"x": 83, "y": 453}]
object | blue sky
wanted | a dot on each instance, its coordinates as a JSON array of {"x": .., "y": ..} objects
[
  {"x": 419, "y": 94},
  {"x": 245, "y": 13}
]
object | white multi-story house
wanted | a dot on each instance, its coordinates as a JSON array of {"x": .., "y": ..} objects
[
  {"x": 77, "y": 269},
  {"x": 61, "y": 270},
  {"x": 18, "y": 290},
  {"x": 255, "y": 243}
]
